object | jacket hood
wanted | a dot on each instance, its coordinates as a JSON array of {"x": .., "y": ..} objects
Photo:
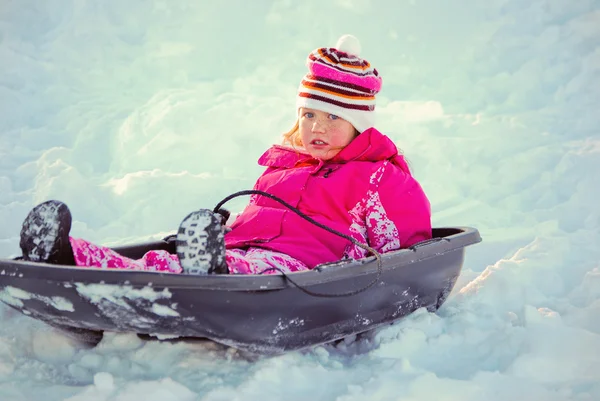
[{"x": 370, "y": 146}]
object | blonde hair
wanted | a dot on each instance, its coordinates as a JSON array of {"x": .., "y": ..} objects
[{"x": 292, "y": 137}]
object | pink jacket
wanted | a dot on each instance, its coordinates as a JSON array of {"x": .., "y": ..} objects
[{"x": 366, "y": 191}]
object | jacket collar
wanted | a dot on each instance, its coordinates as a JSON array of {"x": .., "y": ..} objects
[{"x": 371, "y": 146}]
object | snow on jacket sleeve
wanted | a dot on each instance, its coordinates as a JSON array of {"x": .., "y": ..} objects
[{"x": 395, "y": 212}]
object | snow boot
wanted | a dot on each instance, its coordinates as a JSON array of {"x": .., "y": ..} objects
[
  {"x": 201, "y": 243},
  {"x": 45, "y": 234}
]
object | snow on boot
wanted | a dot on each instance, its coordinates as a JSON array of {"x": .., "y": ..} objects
[
  {"x": 45, "y": 234},
  {"x": 201, "y": 243}
]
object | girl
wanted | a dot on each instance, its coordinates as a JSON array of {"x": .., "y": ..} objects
[{"x": 334, "y": 167}]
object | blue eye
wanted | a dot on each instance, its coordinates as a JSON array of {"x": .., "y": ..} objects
[
  {"x": 309, "y": 114},
  {"x": 333, "y": 117}
]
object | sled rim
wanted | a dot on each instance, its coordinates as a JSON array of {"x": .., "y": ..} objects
[{"x": 322, "y": 274}]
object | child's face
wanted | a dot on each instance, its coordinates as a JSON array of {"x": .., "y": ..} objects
[{"x": 323, "y": 134}]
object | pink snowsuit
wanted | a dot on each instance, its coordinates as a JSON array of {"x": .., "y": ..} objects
[{"x": 366, "y": 191}]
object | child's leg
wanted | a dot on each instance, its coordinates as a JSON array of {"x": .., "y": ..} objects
[
  {"x": 261, "y": 261},
  {"x": 92, "y": 255}
]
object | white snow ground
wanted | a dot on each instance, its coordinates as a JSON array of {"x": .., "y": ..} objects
[{"x": 137, "y": 112}]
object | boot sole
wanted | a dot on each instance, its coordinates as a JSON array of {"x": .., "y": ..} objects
[
  {"x": 45, "y": 232},
  {"x": 201, "y": 243}
]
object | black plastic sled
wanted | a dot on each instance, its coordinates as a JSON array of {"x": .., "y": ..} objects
[{"x": 258, "y": 313}]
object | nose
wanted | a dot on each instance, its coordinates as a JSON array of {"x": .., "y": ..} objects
[{"x": 318, "y": 126}]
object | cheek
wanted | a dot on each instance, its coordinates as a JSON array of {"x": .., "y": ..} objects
[
  {"x": 304, "y": 131},
  {"x": 342, "y": 136}
]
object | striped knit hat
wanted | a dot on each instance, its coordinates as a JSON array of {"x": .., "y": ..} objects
[{"x": 341, "y": 83}]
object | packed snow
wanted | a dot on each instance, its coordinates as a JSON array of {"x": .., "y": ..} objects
[{"x": 136, "y": 113}]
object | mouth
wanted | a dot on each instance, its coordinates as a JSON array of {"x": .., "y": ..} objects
[{"x": 318, "y": 142}]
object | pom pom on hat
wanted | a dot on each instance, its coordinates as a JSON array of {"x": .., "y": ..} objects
[
  {"x": 341, "y": 83},
  {"x": 348, "y": 44}
]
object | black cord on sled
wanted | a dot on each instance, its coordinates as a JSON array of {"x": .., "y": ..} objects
[{"x": 324, "y": 227}]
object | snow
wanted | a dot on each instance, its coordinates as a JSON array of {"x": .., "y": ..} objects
[
  {"x": 114, "y": 293},
  {"x": 13, "y": 296},
  {"x": 136, "y": 113}
]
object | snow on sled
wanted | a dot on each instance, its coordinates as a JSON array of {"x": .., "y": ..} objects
[{"x": 258, "y": 313}]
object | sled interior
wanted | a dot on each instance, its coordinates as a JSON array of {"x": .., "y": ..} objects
[{"x": 137, "y": 251}]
